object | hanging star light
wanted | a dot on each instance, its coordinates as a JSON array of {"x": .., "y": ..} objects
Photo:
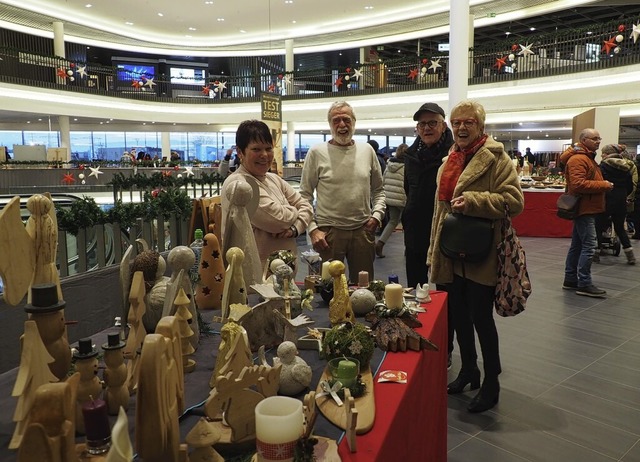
[
  {"x": 500, "y": 62},
  {"x": 413, "y": 73},
  {"x": 81, "y": 71},
  {"x": 525, "y": 50},
  {"x": 608, "y": 45},
  {"x": 205, "y": 90},
  {"x": 150, "y": 83},
  {"x": 222, "y": 86},
  {"x": 189, "y": 171},
  {"x": 338, "y": 82},
  {"x": 61, "y": 73},
  {"x": 68, "y": 178},
  {"x": 435, "y": 64},
  {"x": 136, "y": 84},
  {"x": 357, "y": 73},
  {"x": 286, "y": 80},
  {"x": 95, "y": 171},
  {"x": 635, "y": 32}
]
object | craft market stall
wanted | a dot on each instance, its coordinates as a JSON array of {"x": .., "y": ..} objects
[{"x": 539, "y": 219}]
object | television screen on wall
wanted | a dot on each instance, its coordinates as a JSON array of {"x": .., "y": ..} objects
[
  {"x": 132, "y": 71},
  {"x": 188, "y": 76}
]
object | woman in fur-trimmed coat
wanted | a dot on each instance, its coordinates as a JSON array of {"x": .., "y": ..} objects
[{"x": 477, "y": 178}]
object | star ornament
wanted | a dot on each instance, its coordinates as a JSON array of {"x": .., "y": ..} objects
[
  {"x": 81, "y": 71},
  {"x": 222, "y": 86},
  {"x": 286, "y": 80},
  {"x": 435, "y": 64},
  {"x": 500, "y": 62},
  {"x": 95, "y": 172},
  {"x": 525, "y": 50},
  {"x": 136, "y": 84},
  {"x": 413, "y": 73},
  {"x": 61, "y": 73},
  {"x": 188, "y": 171},
  {"x": 150, "y": 83},
  {"x": 205, "y": 90},
  {"x": 635, "y": 32},
  {"x": 338, "y": 82},
  {"x": 608, "y": 45},
  {"x": 68, "y": 179},
  {"x": 357, "y": 73}
]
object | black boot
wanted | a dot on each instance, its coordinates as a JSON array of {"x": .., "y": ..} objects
[
  {"x": 464, "y": 377},
  {"x": 487, "y": 397}
]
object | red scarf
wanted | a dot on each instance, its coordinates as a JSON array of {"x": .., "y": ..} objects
[{"x": 456, "y": 162}]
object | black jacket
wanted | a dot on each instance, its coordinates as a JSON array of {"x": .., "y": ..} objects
[
  {"x": 617, "y": 171},
  {"x": 421, "y": 166}
]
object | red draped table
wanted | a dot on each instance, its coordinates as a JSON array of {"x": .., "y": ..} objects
[
  {"x": 411, "y": 418},
  {"x": 539, "y": 218}
]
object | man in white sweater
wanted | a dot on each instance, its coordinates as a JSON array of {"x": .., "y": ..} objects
[{"x": 347, "y": 179}]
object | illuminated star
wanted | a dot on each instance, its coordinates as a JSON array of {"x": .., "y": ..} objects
[
  {"x": 357, "y": 73},
  {"x": 150, "y": 83},
  {"x": 68, "y": 179},
  {"x": 136, "y": 84},
  {"x": 413, "y": 73},
  {"x": 338, "y": 82},
  {"x": 205, "y": 90},
  {"x": 286, "y": 80},
  {"x": 61, "y": 73},
  {"x": 609, "y": 44},
  {"x": 81, "y": 71},
  {"x": 500, "y": 62},
  {"x": 95, "y": 171},
  {"x": 635, "y": 32},
  {"x": 188, "y": 171},
  {"x": 525, "y": 50},
  {"x": 222, "y": 86},
  {"x": 435, "y": 64}
]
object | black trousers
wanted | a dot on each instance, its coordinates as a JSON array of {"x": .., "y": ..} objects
[{"x": 471, "y": 308}]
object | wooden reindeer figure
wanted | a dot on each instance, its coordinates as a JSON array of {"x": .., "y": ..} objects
[
  {"x": 169, "y": 327},
  {"x": 47, "y": 310},
  {"x": 183, "y": 316},
  {"x": 116, "y": 393},
  {"x": 89, "y": 387},
  {"x": 136, "y": 331},
  {"x": 212, "y": 273},
  {"x": 157, "y": 431},
  {"x": 340, "y": 309}
]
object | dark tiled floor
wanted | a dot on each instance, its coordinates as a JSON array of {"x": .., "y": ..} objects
[{"x": 571, "y": 368}]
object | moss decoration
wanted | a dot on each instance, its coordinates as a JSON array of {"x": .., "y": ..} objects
[{"x": 349, "y": 339}]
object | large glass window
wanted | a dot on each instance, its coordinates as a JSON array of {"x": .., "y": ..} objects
[
  {"x": 307, "y": 141},
  {"x": 48, "y": 139},
  {"x": 9, "y": 138},
  {"x": 81, "y": 145}
]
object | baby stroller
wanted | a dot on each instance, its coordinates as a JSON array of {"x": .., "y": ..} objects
[{"x": 610, "y": 241}]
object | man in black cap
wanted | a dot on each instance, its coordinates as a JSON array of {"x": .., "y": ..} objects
[{"x": 421, "y": 162}]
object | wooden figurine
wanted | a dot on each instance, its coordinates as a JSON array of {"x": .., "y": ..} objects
[
  {"x": 33, "y": 371},
  {"x": 340, "y": 310},
  {"x": 202, "y": 437},
  {"x": 209, "y": 295},
  {"x": 295, "y": 375},
  {"x": 233, "y": 352},
  {"x": 47, "y": 310},
  {"x": 180, "y": 259},
  {"x": 153, "y": 266},
  {"x": 121, "y": 449},
  {"x": 157, "y": 432},
  {"x": 169, "y": 327},
  {"x": 235, "y": 290},
  {"x": 116, "y": 393},
  {"x": 50, "y": 435},
  {"x": 183, "y": 316},
  {"x": 89, "y": 387},
  {"x": 136, "y": 331}
]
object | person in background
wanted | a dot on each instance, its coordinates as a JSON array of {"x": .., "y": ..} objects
[
  {"x": 477, "y": 179},
  {"x": 584, "y": 178},
  {"x": 422, "y": 160},
  {"x": 126, "y": 157},
  {"x": 146, "y": 156},
  {"x": 622, "y": 172},
  {"x": 393, "y": 180},
  {"x": 282, "y": 213},
  {"x": 350, "y": 197},
  {"x": 224, "y": 167},
  {"x": 175, "y": 157},
  {"x": 530, "y": 157},
  {"x": 376, "y": 147},
  {"x": 133, "y": 154},
  {"x": 635, "y": 213}
]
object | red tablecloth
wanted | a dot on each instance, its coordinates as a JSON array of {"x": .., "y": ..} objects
[
  {"x": 539, "y": 217},
  {"x": 411, "y": 418}
]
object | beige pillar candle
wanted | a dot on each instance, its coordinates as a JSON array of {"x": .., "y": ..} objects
[
  {"x": 393, "y": 296},
  {"x": 363, "y": 279},
  {"x": 325, "y": 271},
  {"x": 279, "y": 425}
]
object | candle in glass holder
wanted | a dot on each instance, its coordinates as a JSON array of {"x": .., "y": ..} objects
[
  {"x": 393, "y": 296},
  {"x": 279, "y": 426},
  {"x": 393, "y": 279},
  {"x": 325, "y": 271},
  {"x": 96, "y": 424},
  {"x": 346, "y": 371},
  {"x": 363, "y": 279}
]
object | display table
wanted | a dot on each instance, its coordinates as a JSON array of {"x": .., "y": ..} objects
[
  {"x": 539, "y": 219},
  {"x": 411, "y": 419}
]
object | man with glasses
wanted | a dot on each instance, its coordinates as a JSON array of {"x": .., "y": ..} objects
[
  {"x": 421, "y": 162},
  {"x": 350, "y": 200},
  {"x": 584, "y": 179}
]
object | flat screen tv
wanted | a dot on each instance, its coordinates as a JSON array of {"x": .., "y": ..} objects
[
  {"x": 188, "y": 76},
  {"x": 131, "y": 71}
]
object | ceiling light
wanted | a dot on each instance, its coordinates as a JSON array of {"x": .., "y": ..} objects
[
  {"x": 294, "y": 21},
  {"x": 39, "y": 120},
  {"x": 507, "y": 33},
  {"x": 192, "y": 28},
  {"x": 220, "y": 19},
  {"x": 368, "y": 7},
  {"x": 160, "y": 14},
  {"x": 208, "y": 3},
  {"x": 242, "y": 31},
  {"x": 75, "y": 120},
  {"x": 129, "y": 23},
  {"x": 88, "y": 5},
  {"x": 28, "y": 121},
  {"x": 288, "y": 2},
  {"x": 589, "y": 33},
  {"x": 532, "y": 29},
  {"x": 188, "y": 36}
]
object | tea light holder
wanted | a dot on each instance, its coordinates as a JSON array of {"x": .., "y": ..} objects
[
  {"x": 345, "y": 370},
  {"x": 279, "y": 426},
  {"x": 96, "y": 424}
]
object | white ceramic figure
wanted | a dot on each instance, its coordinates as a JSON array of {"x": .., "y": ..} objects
[
  {"x": 422, "y": 293},
  {"x": 295, "y": 375}
]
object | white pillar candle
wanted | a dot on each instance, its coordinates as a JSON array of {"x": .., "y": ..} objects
[
  {"x": 279, "y": 425},
  {"x": 363, "y": 279},
  {"x": 325, "y": 271},
  {"x": 393, "y": 296}
]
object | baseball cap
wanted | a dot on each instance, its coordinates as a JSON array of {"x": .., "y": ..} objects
[{"x": 428, "y": 107}]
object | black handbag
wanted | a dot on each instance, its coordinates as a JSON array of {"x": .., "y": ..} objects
[
  {"x": 568, "y": 205},
  {"x": 465, "y": 238}
]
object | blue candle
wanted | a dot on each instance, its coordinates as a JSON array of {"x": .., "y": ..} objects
[{"x": 393, "y": 279}]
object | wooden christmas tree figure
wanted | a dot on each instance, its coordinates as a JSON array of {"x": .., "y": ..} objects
[
  {"x": 340, "y": 309},
  {"x": 233, "y": 352},
  {"x": 90, "y": 387},
  {"x": 116, "y": 393},
  {"x": 235, "y": 290},
  {"x": 47, "y": 310},
  {"x": 211, "y": 270},
  {"x": 136, "y": 331},
  {"x": 33, "y": 372},
  {"x": 183, "y": 316},
  {"x": 202, "y": 437},
  {"x": 169, "y": 327}
]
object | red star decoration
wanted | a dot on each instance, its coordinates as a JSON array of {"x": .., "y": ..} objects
[
  {"x": 514, "y": 47},
  {"x": 68, "y": 179},
  {"x": 338, "y": 82},
  {"x": 609, "y": 44},
  {"x": 413, "y": 73},
  {"x": 81, "y": 167},
  {"x": 425, "y": 60},
  {"x": 348, "y": 69},
  {"x": 205, "y": 90},
  {"x": 500, "y": 62},
  {"x": 136, "y": 84},
  {"x": 621, "y": 28},
  {"x": 155, "y": 193},
  {"x": 271, "y": 88},
  {"x": 166, "y": 173},
  {"x": 61, "y": 73}
]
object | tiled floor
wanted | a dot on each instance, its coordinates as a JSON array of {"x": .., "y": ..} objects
[{"x": 571, "y": 368}]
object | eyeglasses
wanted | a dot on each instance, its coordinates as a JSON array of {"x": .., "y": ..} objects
[
  {"x": 457, "y": 123},
  {"x": 595, "y": 138},
  {"x": 346, "y": 120},
  {"x": 429, "y": 123}
]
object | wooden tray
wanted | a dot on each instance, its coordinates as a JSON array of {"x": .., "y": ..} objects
[{"x": 337, "y": 415}]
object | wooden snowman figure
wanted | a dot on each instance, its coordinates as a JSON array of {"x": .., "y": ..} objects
[
  {"x": 90, "y": 387},
  {"x": 48, "y": 313},
  {"x": 115, "y": 375}
]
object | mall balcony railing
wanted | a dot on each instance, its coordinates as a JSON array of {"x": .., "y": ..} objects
[{"x": 600, "y": 46}]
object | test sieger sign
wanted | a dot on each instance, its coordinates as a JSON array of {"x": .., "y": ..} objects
[{"x": 271, "y": 108}]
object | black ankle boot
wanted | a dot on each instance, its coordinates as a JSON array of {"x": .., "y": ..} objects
[
  {"x": 464, "y": 377},
  {"x": 486, "y": 398}
]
